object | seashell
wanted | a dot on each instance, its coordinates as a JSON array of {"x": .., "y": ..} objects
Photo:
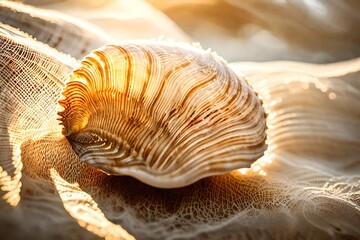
[
  {"x": 310, "y": 171},
  {"x": 62, "y": 32},
  {"x": 167, "y": 114}
]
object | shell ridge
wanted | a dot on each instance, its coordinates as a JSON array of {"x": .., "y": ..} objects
[{"x": 163, "y": 111}]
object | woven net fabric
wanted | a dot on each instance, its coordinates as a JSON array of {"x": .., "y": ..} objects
[{"x": 306, "y": 186}]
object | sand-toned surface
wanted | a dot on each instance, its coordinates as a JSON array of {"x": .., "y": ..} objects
[{"x": 307, "y": 185}]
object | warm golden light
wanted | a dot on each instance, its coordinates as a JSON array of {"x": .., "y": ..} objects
[
  {"x": 82, "y": 207},
  {"x": 332, "y": 96},
  {"x": 176, "y": 118},
  {"x": 10, "y": 185}
]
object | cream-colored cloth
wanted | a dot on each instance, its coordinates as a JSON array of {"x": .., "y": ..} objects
[{"x": 306, "y": 186}]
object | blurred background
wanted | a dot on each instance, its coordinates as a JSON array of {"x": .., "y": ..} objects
[
  {"x": 258, "y": 30},
  {"x": 317, "y": 31}
]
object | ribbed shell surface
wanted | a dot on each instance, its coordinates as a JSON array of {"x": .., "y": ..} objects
[{"x": 164, "y": 113}]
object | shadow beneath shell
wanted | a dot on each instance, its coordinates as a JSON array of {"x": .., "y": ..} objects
[{"x": 134, "y": 205}]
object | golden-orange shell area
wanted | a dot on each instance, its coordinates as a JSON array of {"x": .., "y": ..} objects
[{"x": 165, "y": 113}]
